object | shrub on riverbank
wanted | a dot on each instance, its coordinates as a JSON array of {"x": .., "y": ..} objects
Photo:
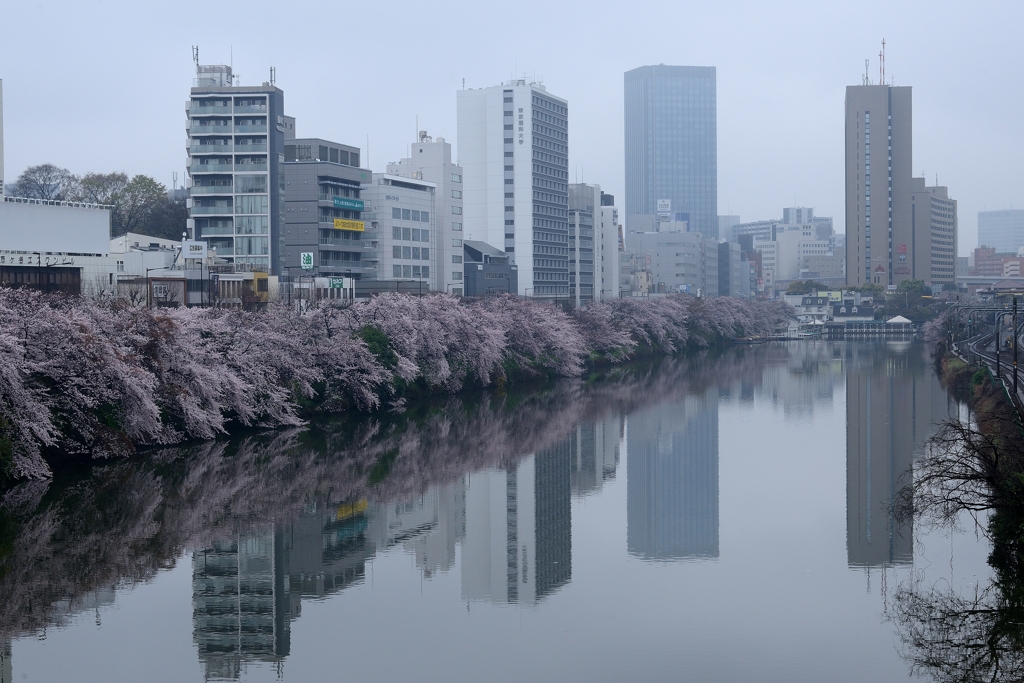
[{"x": 98, "y": 378}]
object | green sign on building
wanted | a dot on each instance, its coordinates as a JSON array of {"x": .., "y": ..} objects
[
  {"x": 337, "y": 283},
  {"x": 350, "y": 204}
]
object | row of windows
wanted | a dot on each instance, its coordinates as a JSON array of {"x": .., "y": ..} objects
[
  {"x": 410, "y": 215},
  {"x": 550, "y": 184},
  {"x": 553, "y": 120},
  {"x": 410, "y": 271},
  {"x": 550, "y": 251},
  {"x": 414, "y": 253},
  {"x": 328, "y": 215},
  {"x": 410, "y": 234},
  {"x": 550, "y": 158},
  {"x": 550, "y": 132},
  {"x": 550, "y": 277},
  {"x": 544, "y": 170},
  {"x": 550, "y": 106}
]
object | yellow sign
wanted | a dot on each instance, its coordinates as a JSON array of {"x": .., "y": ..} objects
[{"x": 342, "y": 224}]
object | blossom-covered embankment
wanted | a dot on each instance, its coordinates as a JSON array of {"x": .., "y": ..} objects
[{"x": 98, "y": 378}]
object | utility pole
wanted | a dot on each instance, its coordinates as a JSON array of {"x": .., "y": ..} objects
[
  {"x": 999, "y": 317},
  {"x": 1015, "y": 348}
]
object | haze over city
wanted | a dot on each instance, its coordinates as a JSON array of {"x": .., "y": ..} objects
[{"x": 105, "y": 90}]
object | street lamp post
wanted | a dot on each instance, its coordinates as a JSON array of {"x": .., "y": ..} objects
[{"x": 149, "y": 288}]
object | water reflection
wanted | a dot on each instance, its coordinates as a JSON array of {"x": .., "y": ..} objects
[
  {"x": 672, "y": 479},
  {"x": 481, "y": 488},
  {"x": 893, "y": 404}
]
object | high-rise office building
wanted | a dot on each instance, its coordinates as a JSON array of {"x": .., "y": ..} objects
[
  {"x": 403, "y": 215},
  {"x": 1, "y": 138},
  {"x": 514, "y": 148},
  {"x": 1001, "y": 230},
  {"x": 879, "y": 121},
  {"x": 933, "y": 218},
  {"x": 236, "y": 149},
  {"x": 671, "y": 127},
  {"x": 431, "y": 160}
]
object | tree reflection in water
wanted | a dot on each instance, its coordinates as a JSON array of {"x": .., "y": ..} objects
[
  {"x": 117, "y": 524},
  {"x": 977, "y": 634}
]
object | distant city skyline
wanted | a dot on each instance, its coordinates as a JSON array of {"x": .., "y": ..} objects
[{"x": 780, "y": 103}]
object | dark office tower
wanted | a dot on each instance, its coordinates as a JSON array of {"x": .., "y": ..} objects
[
  {"x": 671, "y": 127},
  {"x": 881, "y": 243},
  {"x": 672, "y": 480}
]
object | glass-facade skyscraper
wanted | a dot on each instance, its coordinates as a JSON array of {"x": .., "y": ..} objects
[{"x": 671, "y": 126}]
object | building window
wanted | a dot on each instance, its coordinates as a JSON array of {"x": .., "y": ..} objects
[
  {"x": 456, "y": 177},
  {"x": 456, "y": 275},
  {"x": 396, "y": 213},
  {"x": 510, "y": 208},
  {"x": 508, "y": 141},
  {"x": 456, "y": 194},
  {"x": 254, "y": 204},
  {"x": 415, "y": 271},
  {"x": 406, "y": 215},
  {"x": 415, "y": 234},
  {"x": 512, "y": 222},
  {"x": 456, "y": 258},
  {"x": 508, "y": 126},
  {"x": 416, "y": 253},
  {"x": 508, "y": 154},
  {"x": 406, "y": 271},
  {"x": 396, "y": 252},
  {"x": 510, "y": 195},
  {"x": 457, "y": 210},
  {"x": 457, "y": 291},
  {"x": 415, "y": 215},
  {"x": 407, "y": 252},
  {"x": 407, "y": 234},
  {"x": 424, "y": 235},
  {"x": 425, "y": 251},
  {"x": 424, "y": 216},
  {"x": 397, "y": 271},
  {"x": 396, "y": 232},
  {"x": 456, "y": 243},
  {"x": 457, "y": 227},
  {"x": 426, "y": 271},
  {"x": 510, "y": 181}
]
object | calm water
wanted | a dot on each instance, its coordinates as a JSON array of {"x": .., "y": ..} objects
[{"x": 710, "y": 519}]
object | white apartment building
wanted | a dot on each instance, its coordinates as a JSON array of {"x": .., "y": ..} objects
[
  {"x": 513, "y": 145},
  {"x": 608, "y": 244},
  {"x": 401, "y": 214},
  {"x": 431, "y": 161}
]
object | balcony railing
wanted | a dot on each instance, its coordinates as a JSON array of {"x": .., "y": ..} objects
[
  {"x": 210, "y": 149},
  {"x": 209, "y": 110},
  {"x": 251, "y": 109},
  {"x": 212, "y": 168},
  {"x": 216, "y": 210},
  {"x": 212, "y": 189},
  {"x": 261, "y": 128},
  {"x": 246, "y": 149},
  {"x": 224, "y": 129},
  {"x": 250, "y": 168}
]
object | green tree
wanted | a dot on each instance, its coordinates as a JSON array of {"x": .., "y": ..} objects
[
  {"x": 914, "y": 287},
  {"x": 134, "y": 204},
  {"x": 805, "y": 287},
  {"x": 102, "y": 188},
  {"x": 168, "y": 219}
]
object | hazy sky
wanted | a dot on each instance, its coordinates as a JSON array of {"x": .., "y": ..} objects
[{"x": 102, "y": 85}]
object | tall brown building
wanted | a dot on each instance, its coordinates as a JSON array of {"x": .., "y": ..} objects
[{"x": 879, "y": 214}]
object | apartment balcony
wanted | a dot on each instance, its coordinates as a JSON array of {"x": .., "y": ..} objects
[
  {"x": 261, "y": 128},
  {"x": 224, "y": 129},
  {"x": 225, "y": 210},
  {"x": 224, "y": 167},
  {"x": 251, "y": 109},
  {"x": 250, "y": 168},
  {"x": 210, "y": 149},
  {"x": 211, "y": 189},
  {"x": 209, "y": 110},
  {"x": 253, "y": 149}
]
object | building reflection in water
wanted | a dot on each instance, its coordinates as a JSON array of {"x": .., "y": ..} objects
[
  {"x": 6, "y": 675},
  {"x": 894, "y": 403},
  {"x": 594, "y": 449},
  {"x": 518, "y": 543},
  {"x": 672, "y": 479}
]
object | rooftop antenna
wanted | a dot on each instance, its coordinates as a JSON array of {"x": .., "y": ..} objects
[
  {"x": 175, "y": 180},
  {"x": 881, "y": 64},
  {"x": 273, "y": 75},
  {"x": 867, "y": 81},
  {"x": 195, "y": 57},
  {"x": 463, "y": 83}
]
